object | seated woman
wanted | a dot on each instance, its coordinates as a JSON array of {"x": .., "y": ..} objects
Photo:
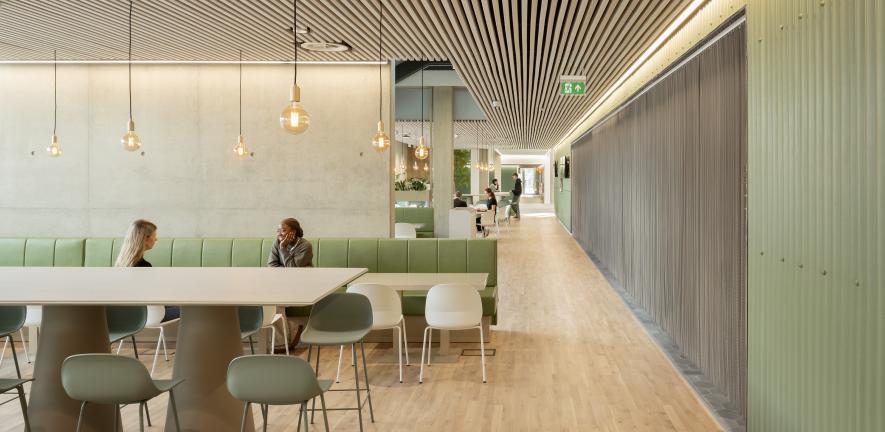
[
  {"x": 290, "y": 249},
  {"x": 140, "y": 238},
  {"x": 491, "y": 205}
]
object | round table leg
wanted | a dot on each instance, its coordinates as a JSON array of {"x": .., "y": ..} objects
[
  {"x": 208, "y": 339},
  {"x": 67, "y": 330}
]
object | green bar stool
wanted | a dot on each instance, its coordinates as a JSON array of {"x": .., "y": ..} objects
[
  {"x": 116, "y": 380},
  {"x": 12, "y": 318},
  {"x": 336, "y": 320},
  {"x": 7, "y": 384},
  {"x": 251, "y": 319},
  {"x": 275, "y": 380},
  {"x": 124, "y": 322}
]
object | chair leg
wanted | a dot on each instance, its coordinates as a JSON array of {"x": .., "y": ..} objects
[
  {"x": 338, "y": 372},
  {"x": 306, "y": 424},
  {"x": 80, "y": 418},
  {"x": 273, "y": 339},
  {"x": 243, "y": 420},
  {"x": 174, "y": 411},
  {"x": 356, "y": 376},
  {"x": 147, "y": 413},
  {"x": 286, "y": 332},
  {"x": 265, "y": 411},
  {"x": 134, "y": 346},
  {"x": 399, "y": 349},
  {"x": 163, "y": 338},
  {"x": 3, "y": 353},
  {"x": 117, "y": 419},
  {"x": 24, "y": 404},
  {"x": 141, "y": 416},
  {"x": 120, "y": 346},
  {"x": 313, "y": 403},
  {"x": 301, "y": 408},
  {"x": 325, "y": 416},
  {"x": 157, "y": 352},
  {"x": 482, "y": 353},
  {"x": 18, "y": 371},
  {"x": 423, "y": 350},
  {"x": 368, "y": 386},
  {"x": 21, "y": 332},
  {"x": 251, "y": 345},
  {"x": 429, "y": 345},
  {"x": 405, "y": 342}
]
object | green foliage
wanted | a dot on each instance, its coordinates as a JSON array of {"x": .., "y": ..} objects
[{"x": 462, "y": 172}]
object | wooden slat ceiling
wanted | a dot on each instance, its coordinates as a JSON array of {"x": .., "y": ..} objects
[{"x": 509, "y": 51}]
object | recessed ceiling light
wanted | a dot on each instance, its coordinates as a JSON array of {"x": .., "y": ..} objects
[
  {"x": 301, "y": 30},
  {"x": 326, "y": 46},
  {"x": 496, "y": 104}
]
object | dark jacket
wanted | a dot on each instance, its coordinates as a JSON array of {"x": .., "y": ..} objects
[
  {"x": 517, "y": 188},
  {"x": 459, "y": 203}
]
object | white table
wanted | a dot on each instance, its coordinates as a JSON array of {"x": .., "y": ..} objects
[
  {"x": 423, "y": 282},
  {"x": 209, "y": 334}
]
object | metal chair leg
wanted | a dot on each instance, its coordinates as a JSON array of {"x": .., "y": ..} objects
[
  {"x": 117, "y": 419},
  {"x": 265, "y": 410},
  {"x": 423, "y": 350},
  {"x": 325, "y": 416},
  {"x": 338, "y": 371},
  {"x": 174, "y": 411},
  {"x": 141, "y": 416},
  {"x": 306, "y": 424},
  {"x": 251, "y": 345},
  {"x": 313, "y": 403},
  {"x": 482, "y": 351},
  {"x": 399, "y": 349},
  {"x": 300, "y": 413},
  {"x": 134, "y": 346},
  {"x": 356, "y": 376},
  {"x": 21, "y": 332},
  {"x": 405, "y": 342},
  {"x": 243, "y": 420},
  {"x": 24, "y": 404},
  {"x": 368, "y": 386},
  {"x": 14, "y": 356},
  {"x": 80, "y": 418},
  {"x": 3, "y": 353},
  {"x": 147, "y": 413}
]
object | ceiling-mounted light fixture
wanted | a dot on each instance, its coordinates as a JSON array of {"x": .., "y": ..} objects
[
  {"x": 380, "y": 142},
  {"x": 326, "y": 46},
  {"x": 490, "y": 150},
  {"x": 54, "y": 148},
  {"x": 130, "y": 140},
  {"x": 294, "y": 118},
  {"x": 480, "y": 166},
  {"x": 240, "y": 150},
  {"x": 422, "y": 152}
]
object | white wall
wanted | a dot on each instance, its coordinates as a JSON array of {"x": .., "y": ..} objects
[
  {"x": 188, "y": 181},
  {"x": 533, "y": 159}
]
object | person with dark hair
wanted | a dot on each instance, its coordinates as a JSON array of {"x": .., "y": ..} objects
[
  {"x": 458, "y": 202},
  {"x": 491, "y": 206},
  {"x": 290, "y": 249},
  {"x": 494, "y": 185},
  {"x": 517, "y": 192}
]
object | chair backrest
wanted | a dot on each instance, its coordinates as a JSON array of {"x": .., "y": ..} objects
[
  {"x": 106, "y": 379},
  {"x": 503, "y": 215},
  {"x": 272, "y": 379},
  {"x": 382, "y": 297},
  {"x": 446, "y": 299},
  {"x": 34, "y": 316},
  {"x": 487, "y": 218},
  {"x": 342, "y": 312},
  {"x": 126, "y": 319},
  {"x": 12, "y": 318},
  {"x": 155, "y": 314},
  {"x": 251, "y": 318},
  {"x": 404, "y": 230}
]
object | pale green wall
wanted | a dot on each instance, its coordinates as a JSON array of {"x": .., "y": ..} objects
[
  {"x": 562, "y": 190},
  {"x": 816, "y": 144},
  {"x": 506, "y": 179}
]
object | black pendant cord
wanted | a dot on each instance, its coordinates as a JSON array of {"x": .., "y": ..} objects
[
  {"x": 380, "y": 79},
  {"x": 130, "y": 60},
  {"x": 422, "y": 102},
  {"x": 241, "y": 92},
  {"x": 295, "y": 42},
  {"x": 54, "y": 91}
]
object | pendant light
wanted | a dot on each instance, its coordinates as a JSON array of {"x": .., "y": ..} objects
[
  {"x": 294, "y": 118},
  {"x": 240, "y": 150},
  {"x": 130, "y": 140},
  {"x": 426, "y": 168},
  {"x": 54, "y": 148},
  {"x": 415, "y": 165},
  {"x": 479, "y": 164},
  {"x": 422, "y": 152},
  {"x": 380, "y": 142},
  {"x": 490, "y": 150}
]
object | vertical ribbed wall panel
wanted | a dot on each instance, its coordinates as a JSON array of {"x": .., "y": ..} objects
[
  {"x": 658, "y": 196},
  {"x": 816, "y": 215}
]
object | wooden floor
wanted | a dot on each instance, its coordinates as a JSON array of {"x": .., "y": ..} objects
[{"x": 569, "y": 357}]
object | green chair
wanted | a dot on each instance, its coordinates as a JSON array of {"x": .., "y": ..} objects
[
  {"x": 7, "y": 384},
  {"x": 124, "y": 322},
  {"x": 336, "y": 320},
  {"x": 251, "y": 318},
  {"x": 275, "y": 380},
  {"x": 116, "y": 380},
  {"x": 12, "y": 318}
]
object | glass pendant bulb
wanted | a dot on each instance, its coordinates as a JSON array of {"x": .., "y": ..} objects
[
  {"x": 422, "y": 152},
  {"x": 426, "y": 168},
  {"x": 130, "y": 140},
  {"x": 54, "y": 148},
  {"x": 294, "y": 118},
  {"x": 415, "y": 165},
  {"x": 240, "y": 150},
  {"x": 380, "y": 142}
]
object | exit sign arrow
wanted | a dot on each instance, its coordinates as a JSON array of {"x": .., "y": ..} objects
[{"x": 572, "y": 85}]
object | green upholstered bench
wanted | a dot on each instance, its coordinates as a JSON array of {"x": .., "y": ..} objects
[
  {"x": 378, "y": 255},
  {"x": 417, "y": 215}
]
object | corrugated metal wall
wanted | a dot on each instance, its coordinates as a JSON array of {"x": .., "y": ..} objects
[
  {"x": 658, "y": 197},
  {"x": 816, "y": 215}
]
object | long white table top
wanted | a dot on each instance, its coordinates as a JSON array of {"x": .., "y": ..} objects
[
  {"x": 423, "y": 281},
  {"x": 222, "y": 286}
]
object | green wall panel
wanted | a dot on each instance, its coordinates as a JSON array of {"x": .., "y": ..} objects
[
  {"x": 816, "y": 182},
  {"x": 562, "y": 190}
]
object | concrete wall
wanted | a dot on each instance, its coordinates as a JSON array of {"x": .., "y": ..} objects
[{"x": 187, "y": 180}]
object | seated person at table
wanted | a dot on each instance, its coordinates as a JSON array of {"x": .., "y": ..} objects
[
  {"x": 290, "y": 249},
  {"x": 491, "y": 205},
  {"x": 495, "y": 186},
  {"x": 458, "y": 201},
  {"x": 140, "y": 238}
]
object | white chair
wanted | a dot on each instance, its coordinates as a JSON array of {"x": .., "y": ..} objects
[
  {"x": 488, "y": 220},
  {"x": 155, "y": 314},
  {"x": 387, "y": 313},
  {"x": 462, "y": 223},
  {"x": 504, "y": 217},
  {"x": 404, "y": 231},
  {"x": 452, "y": 307},
  {"x": 33, "y": 318},
  {"x": 270, "y": 318}
]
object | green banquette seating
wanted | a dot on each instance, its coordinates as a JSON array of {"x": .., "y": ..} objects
[
  {"x": 379, "y": 255},
  {"x": 417, "y": 215}
]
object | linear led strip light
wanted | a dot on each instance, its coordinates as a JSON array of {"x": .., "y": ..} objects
[
  {"x": 198, "y": 62},
  {"x": 669, "y": 31}
]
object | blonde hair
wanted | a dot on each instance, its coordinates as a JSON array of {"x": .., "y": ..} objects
[{"x": 133, "y": 245}]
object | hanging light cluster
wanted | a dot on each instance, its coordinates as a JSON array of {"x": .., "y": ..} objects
[
  {"x": 380, "y": 142},
  {"x": 294, "y": 118},
  {"x": 130, "y": 140}
]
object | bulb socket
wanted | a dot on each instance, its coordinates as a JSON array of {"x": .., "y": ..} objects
[
  {"x": 295, "y": 93},
  {"x": 130, "y": 126}
]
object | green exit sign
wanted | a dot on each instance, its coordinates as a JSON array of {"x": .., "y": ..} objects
[{"x": 572, "y": 85}]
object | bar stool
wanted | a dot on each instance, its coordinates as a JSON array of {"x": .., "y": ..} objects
[
  {"x": 116, "y": 380},
  {"x": 452, "y": 307},
  {"x": 12, "y": 318},
  {"x": 275, "y": 380},
  {"x": 336, "y": 320},
  {"x": 124, "y": 322}
]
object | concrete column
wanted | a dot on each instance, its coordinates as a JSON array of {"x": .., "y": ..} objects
[{"x": 442, "y": 157}]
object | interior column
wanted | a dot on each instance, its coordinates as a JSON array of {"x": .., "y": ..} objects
[{"x": 442, "y": 158}]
